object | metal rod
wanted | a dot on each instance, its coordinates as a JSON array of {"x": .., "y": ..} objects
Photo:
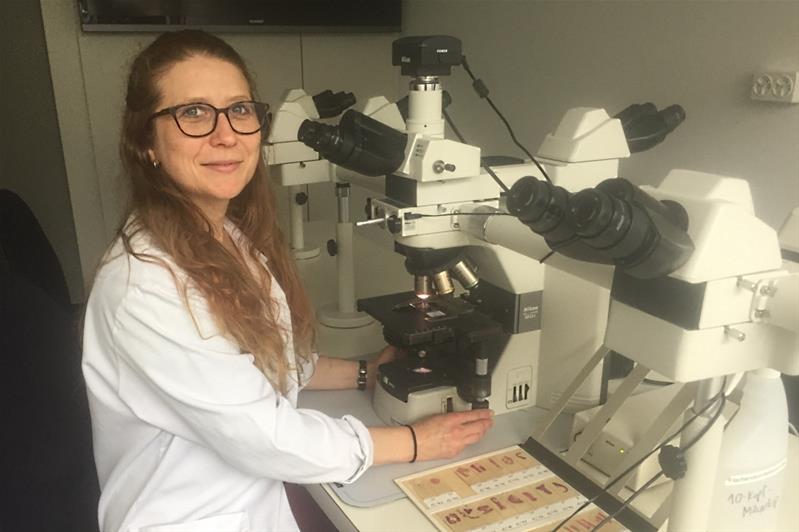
[
  {"x": 594, "y": 427},
  {"x": 567, "y": 394},
  {"x": 373, "y": 221}
]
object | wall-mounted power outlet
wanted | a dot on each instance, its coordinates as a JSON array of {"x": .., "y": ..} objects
[{"x": 775, "y": 87}]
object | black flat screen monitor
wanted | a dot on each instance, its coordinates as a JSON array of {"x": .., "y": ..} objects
[{"x": 242, "y": 15}]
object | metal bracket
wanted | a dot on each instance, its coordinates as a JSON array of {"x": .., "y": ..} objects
[{"x": 763, "y": 289}]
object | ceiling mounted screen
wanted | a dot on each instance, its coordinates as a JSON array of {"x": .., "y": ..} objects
[{"x": 242, "y": 15}]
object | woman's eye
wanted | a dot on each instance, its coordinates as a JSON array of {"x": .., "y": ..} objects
[
  {"x": 192, "y": 111},
  {"x": 242, "y": 109}
]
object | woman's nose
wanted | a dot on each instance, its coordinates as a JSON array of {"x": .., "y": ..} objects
[{"x": 223, "y": 132}]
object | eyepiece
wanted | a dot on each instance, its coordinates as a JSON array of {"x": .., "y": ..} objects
[
  {"x": 639, "y": 234},
  {"x": 673, "y": 116},
  {"x": 589, "y": 206},
  {"x": 600, "y": 219},
  {"x": 323, "y": 138},
  {"x": 645, "y": 126},
  {"x": 613, "y": 223},
  {"x": 329, "y": 104},
  {"x": 358, "y": 143},
  {"x": 543, "y": 207}
]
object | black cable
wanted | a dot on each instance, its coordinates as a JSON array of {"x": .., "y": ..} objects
[
  {"x": 451, "y": 125},
  {"x": 712, "y": 421},
  {"x": 490, "y": 172},
  {"x": 650, "y": 136},
  {"x": 413, "y": 216},
  {"x": 563, "y": 244},
  {"x": 502, "y": 185},
  {"x": 482, "y": 91},
  {"x": 649, "y": 482},
  {"x": 627, "y": 501},
  {"x": 638, "y": 462},
  {"x": 545, "y": 257},
  {"x": 655, "y": 382}
]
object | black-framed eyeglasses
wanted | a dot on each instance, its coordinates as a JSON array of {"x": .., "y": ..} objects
[{"x": 199, "y": 119}]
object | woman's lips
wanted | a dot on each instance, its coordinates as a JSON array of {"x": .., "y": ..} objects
[{"x": 223, "y": 166}]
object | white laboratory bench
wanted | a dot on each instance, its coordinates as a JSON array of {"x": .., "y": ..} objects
[{"x": 509, "y": 429}]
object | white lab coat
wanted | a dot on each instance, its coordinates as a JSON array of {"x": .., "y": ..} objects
[{"x": 188, "y": 434}]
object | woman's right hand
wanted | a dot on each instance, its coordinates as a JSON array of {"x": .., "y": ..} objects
[
  {"x": 445, "y": 435},
  {"x": 437, "y": 437}
]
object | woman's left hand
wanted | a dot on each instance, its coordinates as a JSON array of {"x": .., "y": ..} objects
[{"x": 388, "y": 354}]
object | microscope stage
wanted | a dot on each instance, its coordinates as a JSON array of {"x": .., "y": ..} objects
[{"x": 408, "y": 321}]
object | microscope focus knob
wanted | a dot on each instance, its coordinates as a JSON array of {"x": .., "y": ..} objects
[
  {"x": 332, "y": 247},
  {"x": 394, "y": 224},
  {"x": 440, "y": 166},
  {"x": 301, "y": 198}
]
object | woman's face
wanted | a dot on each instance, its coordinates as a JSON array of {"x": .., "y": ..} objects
[{"x": 213, "y": 169}]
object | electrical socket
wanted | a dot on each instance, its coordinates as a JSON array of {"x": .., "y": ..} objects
[{"x": 775, "y": 87}]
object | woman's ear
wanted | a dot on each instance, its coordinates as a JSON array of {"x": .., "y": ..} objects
[{"x": 151, "y": 155}]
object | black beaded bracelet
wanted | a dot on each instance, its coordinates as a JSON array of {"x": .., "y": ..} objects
[
  {"x": 361, "y": 375},
  {"x": 415, "y": 447}
]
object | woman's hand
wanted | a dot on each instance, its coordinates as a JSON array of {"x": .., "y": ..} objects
[
  {"x": 441, "y": 436},
  {"x": 342, "y": 374},
  {"x": 445, "y": 435},
  {"x": 388, "y": 354}
]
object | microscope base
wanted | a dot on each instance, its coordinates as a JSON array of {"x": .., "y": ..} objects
[
  {"x": 421, "y": 404},
  {"x": 363, "y": 342},
  {"x": 305, "y": 253}
]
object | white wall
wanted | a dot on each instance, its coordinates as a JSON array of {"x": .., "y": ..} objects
[{"x": 540, "y": 58}]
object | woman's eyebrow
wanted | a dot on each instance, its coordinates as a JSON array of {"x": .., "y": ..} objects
[
  {"x": 186, "y": 101},
  {"x": 231, "y": 99},
  {"x": 239, "y": 98}
]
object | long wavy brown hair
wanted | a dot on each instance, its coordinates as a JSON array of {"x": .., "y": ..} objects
[{"x": 239, "y": 301}]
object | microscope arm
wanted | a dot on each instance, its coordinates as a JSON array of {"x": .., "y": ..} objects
[{"x": 510, "y": 233}]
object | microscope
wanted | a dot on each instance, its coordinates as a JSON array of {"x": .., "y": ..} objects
[
  {"x": 456, "y": 347},
  {"x": 294, "y": 165},
  {"x": 483, "y": 348},
  {"x": 697, "y": 286}
]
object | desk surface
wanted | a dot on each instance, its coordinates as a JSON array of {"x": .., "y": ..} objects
[
  {"x": 376, "y": 486},
  {"x": 400, "y": 513}
]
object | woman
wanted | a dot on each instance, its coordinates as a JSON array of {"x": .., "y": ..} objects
[{"x": 198, "y": 333}]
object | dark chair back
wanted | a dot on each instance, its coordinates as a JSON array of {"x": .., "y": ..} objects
[
  {"x": 26, "y": 250},
  {"x": 48, "y": 477}
]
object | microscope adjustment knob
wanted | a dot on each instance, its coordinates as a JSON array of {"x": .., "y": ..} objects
[
  {"x": 440, "y": 166},
  {"x": 301, "y": 198},
  {"x": 332, "y": 247},
  {"x": 394, "y": 224}
]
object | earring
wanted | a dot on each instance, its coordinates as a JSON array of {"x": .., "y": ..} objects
[{"x": 156, "y": 164}]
